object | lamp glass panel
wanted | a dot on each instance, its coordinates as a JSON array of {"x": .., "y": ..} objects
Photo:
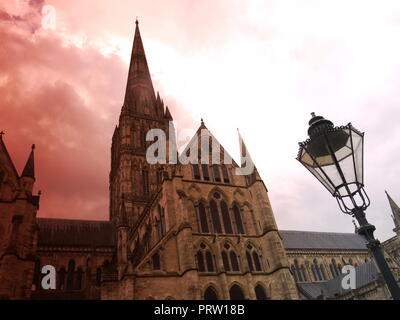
[
  {"x": 309, "y": 163},
  {"x": 358, "y": 153}
]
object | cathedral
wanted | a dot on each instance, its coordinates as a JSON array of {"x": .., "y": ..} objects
[{"x": 177, "y": 230}]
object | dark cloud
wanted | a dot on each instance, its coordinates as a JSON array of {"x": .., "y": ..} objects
[{"x": 65, "y": 100}]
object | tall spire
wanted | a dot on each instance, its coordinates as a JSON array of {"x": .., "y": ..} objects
[
  {"x": 29, "y": 170},
  {"x": 395, "y": 212},
  {"x": 139, "y": 89}
]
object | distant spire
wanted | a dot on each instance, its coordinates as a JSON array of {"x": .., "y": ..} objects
[
  {"x": 243, "y": 148},
  {"x": 167, "y": 114},
  {"x": 139, "y": 88},
  {"x": 395, "y": 211},
  {"x": 29, "y": 170}
]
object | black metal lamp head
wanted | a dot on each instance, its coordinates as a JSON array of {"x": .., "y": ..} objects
[{"x": 334, "y": 155}]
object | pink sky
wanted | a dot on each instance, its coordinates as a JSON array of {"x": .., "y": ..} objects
[{"x": 262, "y": 66}]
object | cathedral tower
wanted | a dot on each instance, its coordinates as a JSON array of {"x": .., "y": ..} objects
[
  {"x": 131, "y": 176},
  {"x": 194, "y": 229}
]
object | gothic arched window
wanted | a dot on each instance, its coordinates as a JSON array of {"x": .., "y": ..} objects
[
  {"x": 230, "y": 259},
  {"x": 334, "y": 268},
  {"x": 314, "y": 272},
  {"x": 200, "y": 261},
  {"x": 203, "y": 218},
  {"x": 323, "y": 274},
  {"x": 217, "y": 175},
  {"x": 156, "y": 261},
  {"x": 79, "y": 278},
  {"x": 225, "y": 261},
  {"x": 238, "y": 219},
  {"x": 234, "y": 261},
  {"x": 205, "y": 261},
  {"x": 226, "y": 217},
  {"x": 253, "y": 259},
  {"x": 303, "y": 273},
  {"x": 209, "y": 261},
  {"x": 225, "y": 174},
  {"x": 206, "y": 175},
  {"x": 257, "y": 262},
  {"x": 249, "y": 261},
  {"x": 70, "y": 275},
  {"x": 210, "y": 294},
  {"x": 298, "y": 271},
  {"x": 196, "y": 171},
  {"x": 260, "y": 293},
  {"x": 98, "y": 276},
  {"x": 317, "y": 270},
  {"x": 236, "y": 293},
  {"x": 215, "y": 217}
]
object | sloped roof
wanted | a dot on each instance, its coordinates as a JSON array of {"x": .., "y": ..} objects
[
  {"x": 365, "y": 274},
  {"x": 62, "y": 232},
  {"x": 322, "y": 240},
  {"x": 3, "y": 150}
]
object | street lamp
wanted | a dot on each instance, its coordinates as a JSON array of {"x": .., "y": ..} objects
[{"x": 334, "y": 155}]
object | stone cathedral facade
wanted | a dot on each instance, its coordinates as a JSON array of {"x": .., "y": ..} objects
[
  {"x": 186, "y": 231},
  {"x": 175, "y": 231}
]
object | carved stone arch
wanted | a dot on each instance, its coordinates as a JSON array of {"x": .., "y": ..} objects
[
  {"x": 203, "y": 200},
  {"x": 254, "y": 245},
  {"x": 248, "y": 204},
  {"x": 194, "y": 191},
  {"x": 238, "y": 195},
  {"x": 254, "y": 257},
  {"x": 212, "y": 286},
  {"x": 231, "y": 243},
  {"x": 220, "y": 191},
  {"x": 265, "y": 291},
  {"x": 234, "y": 294},
  {"x": 205, "y": 256},
  {"x": 207, "y": 244}
]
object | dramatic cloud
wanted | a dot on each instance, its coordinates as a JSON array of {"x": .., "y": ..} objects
[{"x": 262, "y": 66}]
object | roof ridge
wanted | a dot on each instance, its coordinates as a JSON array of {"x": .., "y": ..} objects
[{"x": 324, "y": 232}]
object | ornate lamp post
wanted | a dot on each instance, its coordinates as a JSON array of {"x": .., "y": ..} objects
[{"x": 334, "y": 155}]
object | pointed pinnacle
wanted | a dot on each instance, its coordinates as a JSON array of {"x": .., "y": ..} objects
[{"x": 29, "y": 169}]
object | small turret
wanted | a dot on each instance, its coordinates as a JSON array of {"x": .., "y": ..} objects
[
  {"x": 395, "y": 213},
  {"x": 28, "y": 174}
]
